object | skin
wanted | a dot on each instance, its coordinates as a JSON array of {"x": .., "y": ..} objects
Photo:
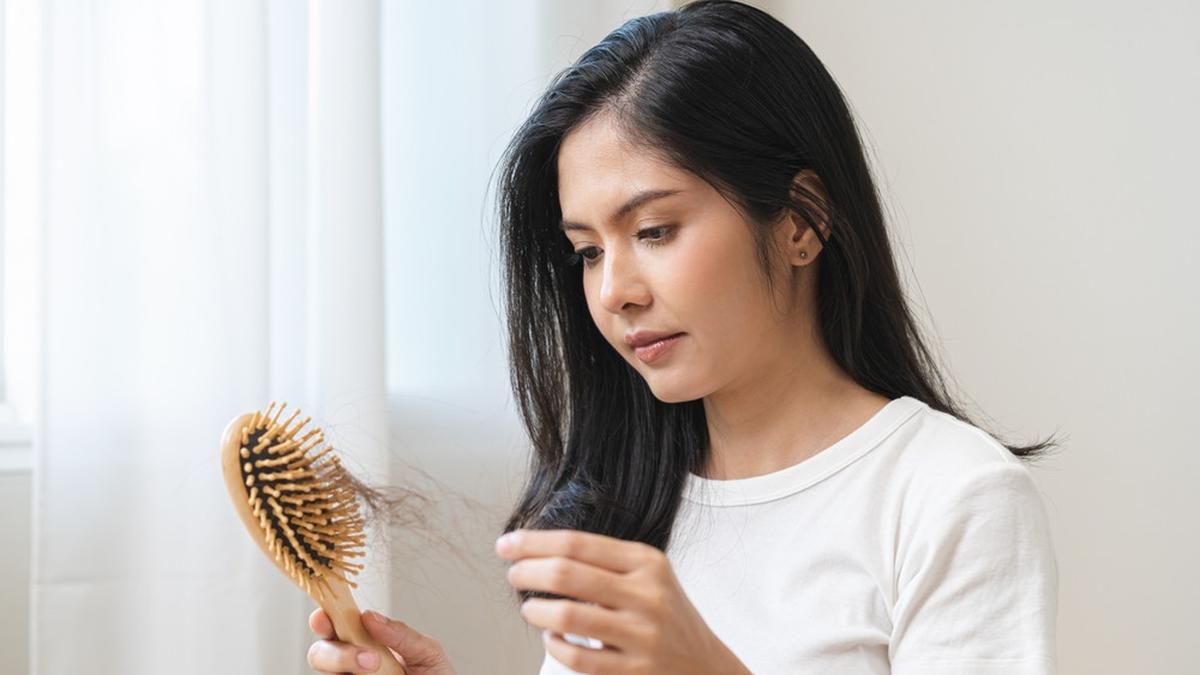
[{"x": 772, "y": 394}]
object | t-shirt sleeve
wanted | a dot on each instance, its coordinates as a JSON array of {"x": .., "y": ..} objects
[{"x": 977, "y": 583}]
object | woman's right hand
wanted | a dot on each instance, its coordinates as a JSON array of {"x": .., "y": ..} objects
[{"x": 419, "y": 653}]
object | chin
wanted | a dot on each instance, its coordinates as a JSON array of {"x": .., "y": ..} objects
[
  {"x": 674, "y": 399},
  {"x": 668, "y": 391}
]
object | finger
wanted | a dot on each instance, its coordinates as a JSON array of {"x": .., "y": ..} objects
[
  {"x": 573, "y": 579},
  {"x": 584, "y": 659},
  {"x": 417, "y": 649},
  {"x": 567, "y": 616},
  {"x": 319, "y": 622},
  {"x": 610, "y": 553},
  {"x": 341, "y": 657}
]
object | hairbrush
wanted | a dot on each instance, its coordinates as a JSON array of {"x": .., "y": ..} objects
[{"x": 301, "y": 506}]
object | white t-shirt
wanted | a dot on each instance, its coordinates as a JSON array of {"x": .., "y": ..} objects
[{"x": 916, "y": 545}]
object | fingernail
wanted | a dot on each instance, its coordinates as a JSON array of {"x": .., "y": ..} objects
[
  {"x": 376, "y": 617},
  {"x": 368, "y": 659}
]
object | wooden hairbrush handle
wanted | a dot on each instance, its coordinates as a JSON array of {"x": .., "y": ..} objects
[{"x": 343, "y": 612}]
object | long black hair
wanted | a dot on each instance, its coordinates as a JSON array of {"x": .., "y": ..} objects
[{"x": 730, "y": 94}]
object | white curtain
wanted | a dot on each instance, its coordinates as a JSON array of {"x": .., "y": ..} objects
[
  {"x": 211, "y": 223},
  {"x": 211, "y": 241}
]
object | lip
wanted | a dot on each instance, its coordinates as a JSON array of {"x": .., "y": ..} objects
[
  {"x": 656, "y": 350},
  {"x": 642, "y": 338}
]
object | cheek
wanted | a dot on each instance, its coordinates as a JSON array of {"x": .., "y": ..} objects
[
  {"x": 704, "y": 264},
  {"x": 712, "y": 287},
  {"x": 725, "y": 305}
]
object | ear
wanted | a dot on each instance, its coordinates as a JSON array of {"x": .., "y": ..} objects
[{"x": 796, "y": 235}]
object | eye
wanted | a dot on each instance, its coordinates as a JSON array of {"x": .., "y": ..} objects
[
  {"x": 575, "y": 257},
  {"x": 664, "y": 230},
  {"x": 652, "y": 236}
]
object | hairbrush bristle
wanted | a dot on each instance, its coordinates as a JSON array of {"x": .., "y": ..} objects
[{"x": 305, "y": 503}]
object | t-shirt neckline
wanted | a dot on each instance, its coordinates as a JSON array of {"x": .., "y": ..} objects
[{"x": 792, "y": 479}]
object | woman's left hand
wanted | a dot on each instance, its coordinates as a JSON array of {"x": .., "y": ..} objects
[{"x": 640, "y": 612}]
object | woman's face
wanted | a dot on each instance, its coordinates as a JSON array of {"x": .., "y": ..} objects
[{"x": 682, "y": 262}]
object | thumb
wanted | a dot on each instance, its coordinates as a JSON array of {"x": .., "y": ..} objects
[{"x": 417, "y": 648}]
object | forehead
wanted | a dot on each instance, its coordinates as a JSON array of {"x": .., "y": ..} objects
[{"x": 599, "y": 168}]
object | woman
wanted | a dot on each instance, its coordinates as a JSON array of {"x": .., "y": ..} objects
[{"x": 745, "y": 459}]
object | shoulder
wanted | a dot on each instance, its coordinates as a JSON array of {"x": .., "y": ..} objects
[
  {"x": 941, "y": 467},
  {"x": 940, "y": 446},
  {"x": 938, "y": 453},
  {"x": 973, "y": 551}
]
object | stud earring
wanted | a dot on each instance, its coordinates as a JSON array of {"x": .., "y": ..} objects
[{"x": 803, "y": 254}]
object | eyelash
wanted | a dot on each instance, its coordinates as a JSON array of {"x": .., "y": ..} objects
[{"x": 577, "y": 257}]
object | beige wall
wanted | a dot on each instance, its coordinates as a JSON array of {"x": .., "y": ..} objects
[{"x": 1040, "y": 160}]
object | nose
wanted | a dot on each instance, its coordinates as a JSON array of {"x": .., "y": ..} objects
[{"x": 621, "y": 283}]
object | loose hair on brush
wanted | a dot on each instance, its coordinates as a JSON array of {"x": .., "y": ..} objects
[{"x": 730, "y": 94}]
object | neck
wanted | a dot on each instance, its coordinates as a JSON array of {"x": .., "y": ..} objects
[{"x": 794, "y": 403}]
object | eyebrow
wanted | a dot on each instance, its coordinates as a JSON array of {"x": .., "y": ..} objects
[{"x": 633, "y": 203}]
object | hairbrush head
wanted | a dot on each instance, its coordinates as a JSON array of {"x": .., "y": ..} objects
[
  {"x": 300, "y": 499},
  {"x": 301, "y": 506}
]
